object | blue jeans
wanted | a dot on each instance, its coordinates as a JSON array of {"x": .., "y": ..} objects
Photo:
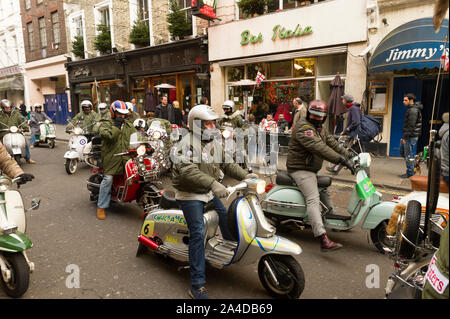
[
  {"x": 408, "y": 151},
  {"x": 104, "y": 195},
  {"x": 27, "y": 151},
  {"x": 32, "y": 139},
  {"x": 193, "y": 213},
  {"x": 445, "y": 179}
]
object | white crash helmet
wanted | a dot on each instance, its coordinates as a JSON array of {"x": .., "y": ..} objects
[
  {"x": 5, "y": 103},
  {"x": 102, "y": 106},
  {"x": 130, "y": 106},
  {"x": 37, "y": 105},
  {"x": 201, "y": 112},
  {"x": 228, "y": 104},
  {"x": 85, "y": 103},
  {"x": 139, "y": 123}
]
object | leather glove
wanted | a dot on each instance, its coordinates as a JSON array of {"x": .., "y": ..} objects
[
  {"x": 219, "y": 190},
  {"x": 348, "y": 164},
  {"x": 24, "y": 178},
  {"x": 68, "y": 129},
  {"x": 251, "y": 175},
  {"x": 118, "y": 121}
]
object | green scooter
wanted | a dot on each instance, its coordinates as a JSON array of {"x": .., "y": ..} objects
[{"x": 285, "y": 205}]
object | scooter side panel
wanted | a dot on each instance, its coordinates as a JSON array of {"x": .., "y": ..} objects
[
  {"x": 15, "y": 209},
  {"x": 377, "y": 214},
  {"x": 15, "y": 242},
  {"x": 285, "y": 196}
]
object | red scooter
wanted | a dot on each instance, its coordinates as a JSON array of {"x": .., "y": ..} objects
[{"x": 139, "y": 182}]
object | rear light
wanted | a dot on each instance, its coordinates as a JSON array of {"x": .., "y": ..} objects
[{"x": 269, "y": 187}]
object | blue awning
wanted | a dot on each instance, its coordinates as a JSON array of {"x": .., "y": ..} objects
[{"x": 413, "y": 45}]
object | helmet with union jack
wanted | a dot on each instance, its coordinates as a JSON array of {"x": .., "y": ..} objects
[
  {"x": 318, "y": 108},
  {"x": 119, "y": 107}
]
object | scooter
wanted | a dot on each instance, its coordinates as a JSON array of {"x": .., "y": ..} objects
[
  {"x": 286, "y": 206},
  {"x": 47, "y": 134},
  {"x": 165, "y": 232},
  {"x": 14, "y": 263},
  {"x": 139, "y": 183},
  {"x": 77, "y": 142},
  {"x": 15, "y": 143}
]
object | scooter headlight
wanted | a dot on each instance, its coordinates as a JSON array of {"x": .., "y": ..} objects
[
  {"x": 5, "y": 183},
  {"x": 141, "y": 150},
  {"x": 47, "y": 122},
  {"x": 13, "y": 129},
  {"x": 78, "y": 131},
  {"x": 226, "y": 134},
  {"x": 365, "y": 159},
  {"x": 156, "y": 135},
  {"x": 260, "y": 187}
]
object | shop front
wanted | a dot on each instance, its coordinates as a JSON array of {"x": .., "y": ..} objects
[
  {"x": 11, "y": 84},
  {"x": 298, "y": 55},
  {"x": 178, "y": 70},
  {"x": 407, "y": 60}
]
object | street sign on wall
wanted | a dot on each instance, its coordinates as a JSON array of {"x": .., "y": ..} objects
[{"x": 205, "y": 9}]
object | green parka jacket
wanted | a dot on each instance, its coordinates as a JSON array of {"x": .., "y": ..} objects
[
  {"x": 12, "y": 119},
  {"x": 86, "y": 121},
  {"x": 194, "y": 169},
  {"x": 234, "y": 120},
  {"x": 308, "y": 148},
  {"x": 114, "y": 141}
]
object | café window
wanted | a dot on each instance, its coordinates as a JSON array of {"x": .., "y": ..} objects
[
  {"x": 235, "y": 74},
  {"x": 280, "y": 69},
  {"x": 331, "y": 64},
  {"x": 304, "y": 67}
]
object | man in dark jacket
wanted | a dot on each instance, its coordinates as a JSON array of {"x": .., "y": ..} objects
[
  {"x": 412, "y": 128},
  {"x": 354, "y": 115},
  {"x": 165, "y": 110},
  {"x": 23, "y": 109},
  {"x": 309, "y": 145}
]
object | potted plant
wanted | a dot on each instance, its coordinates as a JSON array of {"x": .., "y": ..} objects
[
  {"x": 78, "y": 46},
  {"x": 179, "y": 25},
  {"x": 253, "y": 7},
  {"x": 140, "y": 35},
  {"x": 102, "y": 41}
]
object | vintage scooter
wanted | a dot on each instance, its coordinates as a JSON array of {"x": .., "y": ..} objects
[
  {"x": 77, "y": 143},
  {"x": 14, "y": 141},
  {"x": 47, "y": 134},
  {"x": 140, "y": 182},
  {"x": 165, "y": 232},
  {"x": 14, "y": 263},
  {"x": 286, "y": 205}
]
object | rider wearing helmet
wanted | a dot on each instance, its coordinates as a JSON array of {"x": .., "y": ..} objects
[
  {"x": 103, "y": 111},
  {"x": 36, "y": 116},
  {"x": 132, "y": 116},
  {"x": 309, "y": 145},
  {"x": 195, "y": 176},
  {"x": 232, "y": 118},
  {"x": 85, "y": 119},
  {"x": 115, "y": 134},
  {"x": 10, "y": 117}
]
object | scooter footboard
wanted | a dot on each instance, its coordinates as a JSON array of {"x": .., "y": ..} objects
[{"x": 263, "y": 246}]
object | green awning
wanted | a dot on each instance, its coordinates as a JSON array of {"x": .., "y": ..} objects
[{"x": 13, "y": 83}]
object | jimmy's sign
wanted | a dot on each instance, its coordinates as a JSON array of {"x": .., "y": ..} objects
[{"x": 278, "y": 32}]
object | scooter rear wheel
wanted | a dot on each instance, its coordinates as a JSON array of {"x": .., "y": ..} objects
[
  {"x": 51, "y": 143},
  {"x": 20, "y": 275},
  {"x": 71, "y": 166},
  {"x": 287, "y": 271}
]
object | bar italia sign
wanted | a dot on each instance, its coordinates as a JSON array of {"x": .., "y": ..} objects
[{"x": 278, "y": 32}]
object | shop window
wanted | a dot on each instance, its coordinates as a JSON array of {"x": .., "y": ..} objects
[
  {"x": 331, "y": 64},
  {"x": 235, "y": 73},
  {"x": 140, "y": 83},
  {"x": 304, "y": 67},
  {"x": 253, "y": 69},
  {"x": 280, "y": 69}
]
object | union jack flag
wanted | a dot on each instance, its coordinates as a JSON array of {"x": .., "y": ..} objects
[{"x": 259, "y": 78}]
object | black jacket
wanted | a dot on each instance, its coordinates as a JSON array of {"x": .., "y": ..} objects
[
  {"x": 165, "y": 112},
  {"x": 412, "y": 125}
]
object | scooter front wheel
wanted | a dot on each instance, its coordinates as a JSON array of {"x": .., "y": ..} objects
[
  {"x": 17, "y": 285},
  {"x": 282, "y": 276},
  {"x": 51, "y": 143},
  {"x": 71, "y": 166}
]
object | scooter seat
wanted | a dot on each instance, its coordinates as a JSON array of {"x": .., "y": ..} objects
[
  {"x": 283, "y": 178},
  {"x": 168, "y": 200}
]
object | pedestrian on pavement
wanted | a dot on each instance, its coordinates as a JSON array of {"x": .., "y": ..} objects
[
  {"x": 178, "y": 115},
  {"x": 299, "y": 112},
  {"x": 309, "y": 145},
  {"x": 412, "y": 128},
  {"x": 133, "y": 102},
  {"x": 354, "y": 116},
  {"x": 86, "y": 119},
  {"x": 115, "y": 135},
  {"x": 282, "y": 123},
  {"x": 36, "y": 117},
  {"x": 443, "y": 134},
  {"x": 23, "y": 109},
  {"x": 196, "y": 181},
  {"x": 164, "y": 110},
  {"x": 204, "y": 100},
  {"x": 10, "y": 168},
  {"x": 8, "y": 118}
]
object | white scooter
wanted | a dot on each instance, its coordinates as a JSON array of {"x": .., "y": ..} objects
[
  {"x": 14, "y": 142},
  {"x": 77, "y": 143},
  {"x": 165, "y": 232},
  {"x": 14, "y": 264},
  {"x": 47, "y": 134}
]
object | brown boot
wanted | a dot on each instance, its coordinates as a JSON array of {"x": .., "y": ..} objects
[
  {"x": 326, "y": 244},
  {"x": 30, "y": 161},
  {"x": 101, "y": 213}
]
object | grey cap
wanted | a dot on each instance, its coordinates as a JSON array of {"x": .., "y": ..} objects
[{"x": 347, "y": 97}]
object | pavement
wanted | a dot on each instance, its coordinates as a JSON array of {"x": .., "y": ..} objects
[{"x": 385, "y": 171}]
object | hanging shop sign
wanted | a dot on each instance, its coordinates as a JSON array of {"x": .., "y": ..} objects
[
  {"x": 205, "y": 9},
  {"x": 278, "y": 32}
]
